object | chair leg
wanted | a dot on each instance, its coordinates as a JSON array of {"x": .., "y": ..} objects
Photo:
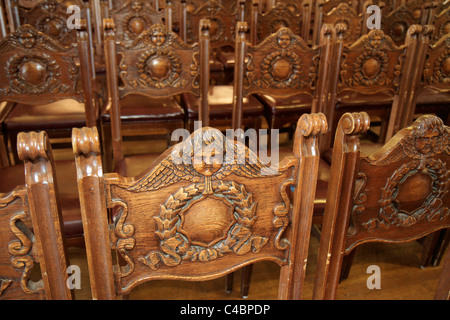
[
  {"x": 347, "y": 265},
  {"x": 434, "y": 247},
  {"x": 229, "y": 282},
  {"x": 245, "y": 281}
]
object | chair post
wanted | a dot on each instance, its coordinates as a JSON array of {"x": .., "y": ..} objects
[
  {"x": 86, "y": 148},
  {"x": 324, "y": 82},
  {"x": 86, "y": 66},
  {"x": 292, "y": 276},
  {"x": 400, "y": 105},
  {"x": 343, "y": 172},
  {"x": 40, "y": 180},
  {"x": 204, "y": 27},
  {"x": 238, "y": 87},
  {"x": 113, "y": 93}
]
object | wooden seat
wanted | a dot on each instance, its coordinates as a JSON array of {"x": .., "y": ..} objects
[
  {"x": 191, "y": 216},
  {"x": 51, "y": 85},
  {"x": 144, "y": 84},
  {"x": 396, "y": 194},
  {"x": 31, "y": 234}
]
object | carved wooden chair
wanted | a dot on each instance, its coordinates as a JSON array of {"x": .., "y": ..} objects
[
  {"x": 278, "y": 68},
  {"x": 197, "y": 213},
  {"x": 372, "y": 74},
  {"x": 50, "y": 86},
  {"x": 30, "y": 230},
  {"x": 145, "y": 82},
  {"x": 397, "y": 194}
]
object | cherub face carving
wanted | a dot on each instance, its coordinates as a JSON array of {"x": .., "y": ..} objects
[
  {"x": 158, "y": 38},
  {"x": 284, "y": 40},
  {"x": 206, "y": 162},
  {"x": 27, "y": 39}
]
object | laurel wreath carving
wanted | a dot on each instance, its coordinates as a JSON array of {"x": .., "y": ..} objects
[
  {"x": 49, "y": 84},
  {"x": 431, "y": 210},
  {"x": 175, "y": 247},
  {"x": 380, "y": 78},
  {"x": 268, "y": 80}
]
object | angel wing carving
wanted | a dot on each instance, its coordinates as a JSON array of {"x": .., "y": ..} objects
[{"x": 207, "y": 155}]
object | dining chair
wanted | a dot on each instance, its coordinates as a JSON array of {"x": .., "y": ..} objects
[{"x": 396, "y": 194}]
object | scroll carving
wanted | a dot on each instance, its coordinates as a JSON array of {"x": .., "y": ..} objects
[{"x": 20, "y": 248}]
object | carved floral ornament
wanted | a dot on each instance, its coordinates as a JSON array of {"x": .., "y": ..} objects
[
  {"x": 200, "y": 160},
  {"x": 427, "y": 139}
]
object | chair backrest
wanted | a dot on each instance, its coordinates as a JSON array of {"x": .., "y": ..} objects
[
  {"x": 343, "y": 13},
  {"x": 264, "y": 24},
  {"x": 30, "y": 228},
  {"x": 200, "y": 211},
  {"x": 282, "y": 65},
  {"x": 397, "y": 22},
  {"x": 222, "y": 15},
  {"x": 36, "y": 69},
  {"x": 156, "y": 64},
  {"x": 134, "y": 16},
  {"x": 50, "y": 17},
  {"x": 397, "y": 194}
]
